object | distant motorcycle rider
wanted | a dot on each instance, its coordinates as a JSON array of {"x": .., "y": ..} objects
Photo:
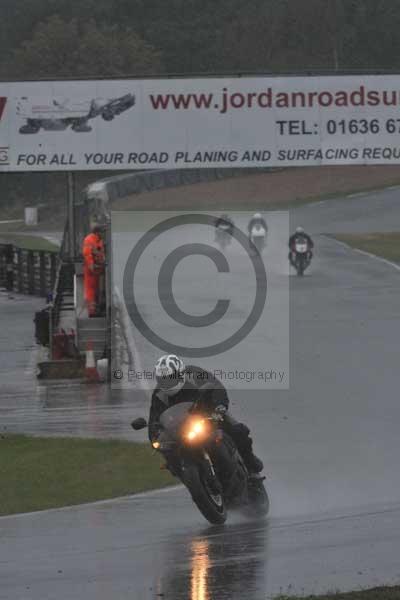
[
  {"x": 225, "y": 222},
  {"x": 257, "y": 220},
  {"x": 300, "y": 236},
  {"x": 177, "y": 383}
]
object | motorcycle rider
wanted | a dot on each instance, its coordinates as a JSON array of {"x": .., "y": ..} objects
[
  {"x": 177, "y": 383},
  {"x": 225, "y": 222},
  {"x": 257, "y": 219},
  {"x": 298, "y": 236}
]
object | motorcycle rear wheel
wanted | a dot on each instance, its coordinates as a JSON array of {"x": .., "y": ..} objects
[{"x": 211, "y": 506}]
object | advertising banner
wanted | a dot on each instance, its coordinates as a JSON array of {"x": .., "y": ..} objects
[{"x": 195, "y": 123}]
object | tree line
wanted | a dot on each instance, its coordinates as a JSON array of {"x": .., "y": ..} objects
[
  {"x": 71, "y": 38},
  {"x": 116, "y": 38}
]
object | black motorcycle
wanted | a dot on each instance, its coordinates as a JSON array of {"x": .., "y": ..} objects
[
  {"x": 224, "y": 229},
  {"x": 300, "y": 256},
  {"x": 206, "y": 460}
]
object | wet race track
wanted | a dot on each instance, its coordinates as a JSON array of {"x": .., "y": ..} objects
[{"x": 330, "y": 445}]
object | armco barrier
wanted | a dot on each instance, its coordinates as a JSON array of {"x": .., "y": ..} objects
[
  {"x": 121, "y": 186},
  {"x": 25, "y": 271}
]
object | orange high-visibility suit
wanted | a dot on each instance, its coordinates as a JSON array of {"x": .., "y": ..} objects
[{"x": 94, "y": 258}]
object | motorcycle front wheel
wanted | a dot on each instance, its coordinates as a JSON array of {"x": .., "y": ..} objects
[
  {"x": 211, "y": 505},
  {"x": 300, "y": 268}
]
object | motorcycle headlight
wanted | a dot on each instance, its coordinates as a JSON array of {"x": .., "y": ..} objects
[
  {"x": 156, "y": 445},
  {"x": 196, "y": 430}
]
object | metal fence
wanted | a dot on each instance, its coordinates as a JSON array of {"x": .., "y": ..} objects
[
  {"x": 27, "y": 271},
  {"x": 100, "y": 195}
]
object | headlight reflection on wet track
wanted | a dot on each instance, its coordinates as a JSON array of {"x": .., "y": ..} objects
[
  {"x": 200, "y": 567},
  {"x": 219, "y": 563}
]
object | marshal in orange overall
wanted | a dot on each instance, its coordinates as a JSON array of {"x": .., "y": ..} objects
[{"x": 93, "y": 270}]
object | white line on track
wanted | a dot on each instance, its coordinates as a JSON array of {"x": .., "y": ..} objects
[
  {"x": 314, "y": 204},
  {"x": 148, "y": 494},
  {"x": 12, "y": 221},
  {"x": 357, "y": 194}
]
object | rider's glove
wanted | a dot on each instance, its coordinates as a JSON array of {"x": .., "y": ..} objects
[
  {"x": 155, "y": 432},
  {"x": 220, "y": 410}
]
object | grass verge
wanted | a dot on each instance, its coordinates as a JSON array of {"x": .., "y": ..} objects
[
  {"x": 379, "y": 593},
  {"x": 386, "y": 245},
  {"x": 40, "y": 473},
  {"x": 28, "y": 242}
]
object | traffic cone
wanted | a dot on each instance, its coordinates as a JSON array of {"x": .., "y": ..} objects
[{"x": 91, "y": 373}]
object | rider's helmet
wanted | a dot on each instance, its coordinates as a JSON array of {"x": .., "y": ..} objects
[
  {"x": 257, "y": 216},
  {"x": 170, "y": 374},
  {"x": 299, "y": 230},
  {"x": 224, "y": 218}
]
